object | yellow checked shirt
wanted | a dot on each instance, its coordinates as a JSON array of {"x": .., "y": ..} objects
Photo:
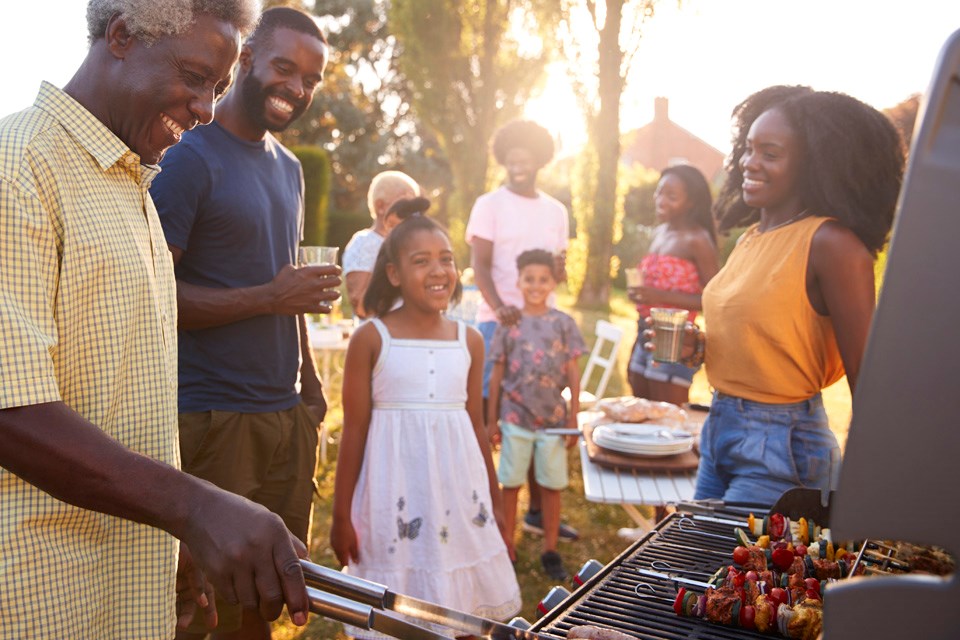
[{"x": 87, "y": 317}]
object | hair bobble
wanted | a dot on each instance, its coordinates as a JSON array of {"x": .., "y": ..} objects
[{"x": 409, "y": 207}]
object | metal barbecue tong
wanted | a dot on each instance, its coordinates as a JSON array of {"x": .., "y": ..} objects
[{"x": 370, "y": 604}]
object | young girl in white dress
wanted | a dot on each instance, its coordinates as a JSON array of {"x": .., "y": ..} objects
[{"x": 416, "y": 503}]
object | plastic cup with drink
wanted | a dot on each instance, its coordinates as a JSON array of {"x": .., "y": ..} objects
[{"x": 316, "y": 256}]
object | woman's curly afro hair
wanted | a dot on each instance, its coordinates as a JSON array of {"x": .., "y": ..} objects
[{"x": 852, "y": 160}]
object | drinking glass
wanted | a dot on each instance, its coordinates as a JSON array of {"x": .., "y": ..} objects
[
  {"x": 318, "y": 256},
  {"x": 668, "y": 325}
]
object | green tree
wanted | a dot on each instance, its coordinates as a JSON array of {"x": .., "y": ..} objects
[
  {"x": 316, "y": 179},
  {"x": 639, "y": 219},
  {"x": 470, "y": 66},
  {"x": 603, "y": 52},
  {"x": 361, "y": 116}
]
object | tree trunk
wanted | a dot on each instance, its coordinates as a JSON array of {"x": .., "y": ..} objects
[{"x": 605, "y": 139}]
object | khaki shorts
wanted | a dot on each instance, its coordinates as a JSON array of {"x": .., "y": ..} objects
[
  {"x": 520, "y": 446},
  {"x": 269, "y": 458}
]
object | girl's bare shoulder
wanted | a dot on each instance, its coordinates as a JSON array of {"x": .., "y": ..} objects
[
  {"x": 473, "y": 335},
  {"x": 365, "y": 336}
]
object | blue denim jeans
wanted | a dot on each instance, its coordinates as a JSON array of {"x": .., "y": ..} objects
[
  {"x": 487, "y": 330},
  {"x": 753, "y": 451}
]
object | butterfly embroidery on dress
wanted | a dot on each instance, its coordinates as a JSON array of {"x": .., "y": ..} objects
[
  {"x": 481, "y": 518},
  {"x": 409, "y": 530}
]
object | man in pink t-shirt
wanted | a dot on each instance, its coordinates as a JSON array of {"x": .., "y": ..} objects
[{"x": 503, "y": 224}]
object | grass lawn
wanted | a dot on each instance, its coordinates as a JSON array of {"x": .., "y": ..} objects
[{"x": 597, "y": 523}]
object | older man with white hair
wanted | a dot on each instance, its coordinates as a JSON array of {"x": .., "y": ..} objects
[{"x": 91, "y": 499}]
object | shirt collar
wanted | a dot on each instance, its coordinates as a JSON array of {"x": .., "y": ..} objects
[{"x": 92, "y": 134}]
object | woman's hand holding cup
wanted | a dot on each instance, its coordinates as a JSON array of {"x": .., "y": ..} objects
[{"x": 688, "y": 343}]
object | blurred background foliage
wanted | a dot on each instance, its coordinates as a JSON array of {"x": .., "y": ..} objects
[{"x": 422, "y": 85}]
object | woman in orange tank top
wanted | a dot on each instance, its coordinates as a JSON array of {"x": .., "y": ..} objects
[
  {"x": 681, "y": 260},
  {"x": 817, "y": 175}
]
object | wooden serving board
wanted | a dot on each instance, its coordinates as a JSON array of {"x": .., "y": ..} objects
[{"x": 687, "y": 461}]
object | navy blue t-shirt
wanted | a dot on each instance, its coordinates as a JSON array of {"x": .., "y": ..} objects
[{"x": 235, "y": 208}]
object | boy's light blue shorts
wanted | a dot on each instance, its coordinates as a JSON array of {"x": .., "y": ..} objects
[{"x": 520, "y": 446}]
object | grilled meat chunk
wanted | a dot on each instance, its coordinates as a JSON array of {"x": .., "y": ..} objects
[{"x": 589, "y": 632}]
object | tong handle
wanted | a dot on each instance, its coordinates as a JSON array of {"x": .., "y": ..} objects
[
  {"x": 340, "y": 609},
  {"x": 340, "y": 584}
]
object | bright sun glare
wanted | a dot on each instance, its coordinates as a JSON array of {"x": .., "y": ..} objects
[
  {"x": 707, "y": 56},
  {"x": 556, "y": 109}
]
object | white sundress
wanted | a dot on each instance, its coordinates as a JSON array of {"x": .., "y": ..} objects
[{"x": 421, "y": 508}]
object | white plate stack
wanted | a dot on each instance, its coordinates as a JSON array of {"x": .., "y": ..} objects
[{"x": 645, "y": 439}]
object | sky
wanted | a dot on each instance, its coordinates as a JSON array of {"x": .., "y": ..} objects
[
  {"x": 709, "y": 55},
  {"x": 704, "y": 57}
]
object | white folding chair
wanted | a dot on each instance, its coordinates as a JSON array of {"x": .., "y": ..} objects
[{"x": 602, "y": 357}]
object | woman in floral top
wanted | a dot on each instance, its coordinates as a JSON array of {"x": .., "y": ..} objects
[{"x": 681, "y": 260}]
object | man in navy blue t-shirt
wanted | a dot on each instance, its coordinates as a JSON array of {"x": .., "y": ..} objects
[{"x": 230, "y": 198}]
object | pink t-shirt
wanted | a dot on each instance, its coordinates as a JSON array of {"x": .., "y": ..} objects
[{"x": 514, "y": 223}]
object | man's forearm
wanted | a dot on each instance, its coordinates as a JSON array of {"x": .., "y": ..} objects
[
  {"x": 487, "y": 289},
  {"x": 58, "y": 451},
  {"x": 205, "y": 307}
]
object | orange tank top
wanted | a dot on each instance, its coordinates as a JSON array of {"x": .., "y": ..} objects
[{"x": 765, "y": 342}]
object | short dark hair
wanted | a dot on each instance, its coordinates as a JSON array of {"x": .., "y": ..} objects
[
  {"x": 523, "y": 134},
  {"x": 853, "y": 160},
  {"x": 536, "y": 256},
  {"x": 381, "y": 294},
  {"x": 285, "y": 18}
]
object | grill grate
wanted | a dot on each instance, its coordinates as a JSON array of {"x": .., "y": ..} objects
[{"x": 609, "y": 599}]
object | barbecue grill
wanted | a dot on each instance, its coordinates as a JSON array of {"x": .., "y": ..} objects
[
  {"x": 626, "y": 596},
  {"x": 907, "y": 401}
]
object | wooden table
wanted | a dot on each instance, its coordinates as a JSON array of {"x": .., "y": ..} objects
[{"x": 631, "y": 487}]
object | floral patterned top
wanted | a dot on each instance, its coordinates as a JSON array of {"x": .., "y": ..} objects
[
  {"x": 535, "y": 352},
  {"x": 669, "y": 273}
]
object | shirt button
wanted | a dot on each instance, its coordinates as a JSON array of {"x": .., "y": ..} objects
[{"x": 431, "y": 370}]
